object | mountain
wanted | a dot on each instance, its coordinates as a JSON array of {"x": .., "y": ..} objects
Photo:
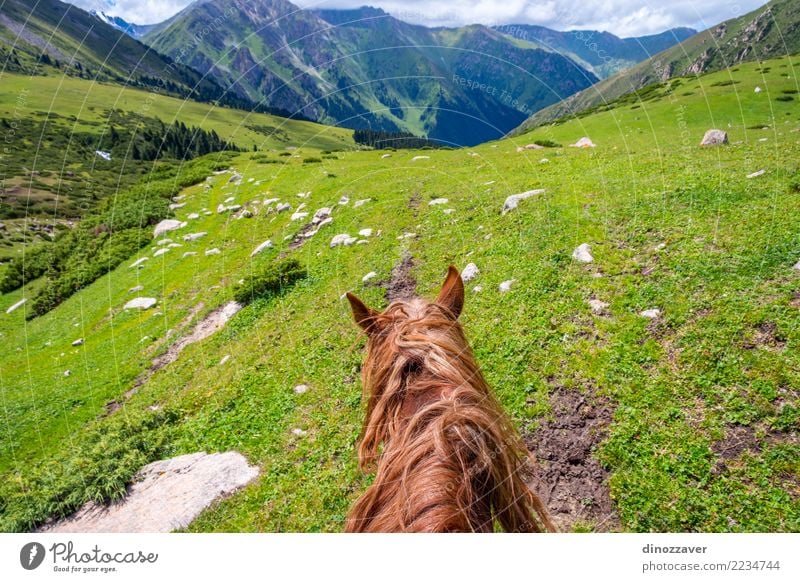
[
  {"x": 134, "y": 30},
  {"x": 365, "y": 69},
  {"x": 770, "y": 31},
  {"x": 602, "y": 53}
]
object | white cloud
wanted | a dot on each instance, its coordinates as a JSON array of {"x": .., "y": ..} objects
[{"x": 622, "y": 17}]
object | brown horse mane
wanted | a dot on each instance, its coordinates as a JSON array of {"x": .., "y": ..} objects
[{"x": 447, "y": 457}]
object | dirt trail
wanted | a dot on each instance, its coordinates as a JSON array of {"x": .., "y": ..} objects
[
  {"x": 401, "y": 284},
  {"x": 567, "y": 477}
]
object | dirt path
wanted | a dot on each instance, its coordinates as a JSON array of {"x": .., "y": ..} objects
[
  {"x": 568, "y": 478},
  {"x": 401, "y": 284}
]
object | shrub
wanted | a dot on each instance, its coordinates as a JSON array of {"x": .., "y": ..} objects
[
  {"x": 784, "y": 98},
  {"x": 547, "y": 143},
  {"x": 270, "y": 280},
  {"x": 311, "y": 160}
]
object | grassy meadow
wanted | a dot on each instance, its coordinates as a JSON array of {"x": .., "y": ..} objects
[{"x": 703, "y": 399}]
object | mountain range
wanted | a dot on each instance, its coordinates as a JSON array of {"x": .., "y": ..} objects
[{"x": 772, "y": 30}]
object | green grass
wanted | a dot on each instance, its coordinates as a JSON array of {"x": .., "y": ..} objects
[{"x": 723, "y": 356}]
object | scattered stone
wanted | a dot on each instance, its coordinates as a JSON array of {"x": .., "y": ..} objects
[
  {"x": 298, "y": 432},
  {"x": 160, "y": 252},
  {"x": 301, "y": 389},
  {"x": 283, "y": 207},
  {"x": 757, "y": 174},
  {"x": 321, "y": 215},
  {"x": 67, "y": 373},
  {"x": 193, "y": 216},
  {"x": 365, "y": 232},
  {"x": 299, "y": 216},
  {"x": 166, "y": 226},
  {"x": 140, "y": 303},
  {"x": 757, "y": 90},
  {"x": 267, "y": 244},
  {"x": 407, "y": 235},
  {"x": 477, "y": 288},
  {"x": 342, "y": 239},
  {"x": 164, "y": 496},
  {"x": 189, "y": 254},
  {"x": 224, "y": 360},
  {"x": 449, "y": 210},
  {"x": 176, "y": 206},
  {"x": 368, "y": 276},
  {"x": 139, "y": 262},
  {"x": 360, "y": 202},
  {"x": 78, "y": 342},
  {"x": 438, "y": 201},
  {"x": 513, "y": 201},
  {"x": 268, "y": 201},
  {"x": 470, "y": 272},
  {"x": 598, "y": 307},
  {"x": 583, "y": 253},
  {"x": 325, "y": 222},
  {"x": 584, "y": 142},
  {"x": 214, "y": 251},
  {"x": 16, "y": 306},
  {"x": 344, "y": 201},
  {"x": 164, "y": 241},
  {"x": 384, "y": 156},
  {"x": 194, "y": 236},
  {"x": 651, "y": 313},
  {"x": 105, "y": 155},
  {"x": 505, "y": 286},
  {"x": 544, "y": 161},
  {"x": 796, "y": 268},
  {"x": 136, "y": 289},
  {"x": 415, "y": 158},
  {"x": 237, "y": 177},
  {"x": 714, "y": 137},
  {"x": 530, "y": 146}
]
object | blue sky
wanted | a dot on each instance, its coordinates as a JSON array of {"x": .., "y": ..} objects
[{"x": 622, "y": 17}]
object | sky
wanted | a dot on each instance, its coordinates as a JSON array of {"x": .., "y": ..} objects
[{"x": 622, "y": 17}]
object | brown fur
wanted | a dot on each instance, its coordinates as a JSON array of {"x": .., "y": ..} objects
[{"x": 448, "y": 458}]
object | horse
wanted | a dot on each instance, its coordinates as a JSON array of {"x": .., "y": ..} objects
[{"x": 446, "y": 457}]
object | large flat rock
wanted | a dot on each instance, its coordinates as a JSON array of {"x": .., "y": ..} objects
[{"x": 166, "y": 495}]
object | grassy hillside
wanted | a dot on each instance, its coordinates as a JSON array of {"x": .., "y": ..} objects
[
  {"x": 696, "y": 411},
  {"x": 768, "y": 32},
  {"x": 52, "y": 126}
]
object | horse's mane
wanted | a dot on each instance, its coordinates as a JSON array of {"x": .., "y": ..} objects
[{"x": 450, "y": 459}]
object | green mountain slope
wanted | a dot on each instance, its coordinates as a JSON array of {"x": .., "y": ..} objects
[
  {"x": 770, "y": 31},
  {"x": 693, "y": 414},
  {"x": 602, "y": 53},
  {"x": 369, "y": 70}
]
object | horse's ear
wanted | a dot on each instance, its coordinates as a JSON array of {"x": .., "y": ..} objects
[
  {"x": 364, "y": 316},
  {"x": 452, "y": 294}
]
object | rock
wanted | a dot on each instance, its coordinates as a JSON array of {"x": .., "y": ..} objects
[
  {"x": 544, "y": 161},
  {"x": 407, "y": 235},
  {"x": 244, "y": 214},
  {"x": 301, "y": 389},
  {"x": 477, "y": 288},
  {"x": 304, "y": 194},
  {"x": 160, "y": 252},
  {"x": 267, "y": 244},
  {"x": 449, "y": 210},
  {"x": 189, "y": 254},
  {"x": 651, "y": 313},
  {"x": 365, "y": 232},
  {"x": 342, "y": 239},
  {"x": 298, "y": 432},
  {"x": 176, "y": 206},
  {"x": 757, "y": 174},
  {"x": 598, "y": 307},
  {"x": 757, "y": 90},
  {"x": 283, "y": 207},
  {"x": 268, "y": 201},
  {"x": 140, "y": 303},
  {"x": 583, "y": 253},
  {"x": 67, "y": 373},
  {"x": 136, "y": 289},
  {"x": 530, "y": 146},
  {"x": 513, "y": 201},
  {"x": 325, "y": 222},
  {"x": 138, "y": 262},
  {"x": 194, "y": 236},
  {"x": 415, "y": 158},
  {"x": 362, "y": 242},
  {"x": 321, "y": 215},
  {"x": 16, "y": 306},
  {"x": 213, "y": 251},
  {"x": 470, "y": 272},
  {"x": 164, "y": 496},
  {"x": 714, "y": 137},
  {"x": 224, "y": 360},
  {"x": 166, "y": 226},
  {"x": 505, "y": 286},
  {"x": 360, "y": 202},
  {"x": 384, "y": 156},
  {"x": 344, "y": 201},
  {"x": 299, "y": 216},
  {"x": 105, "y": 155},
  {"x": 193, "y": 216},
  {"x": 584, "y": 142},
  {"x": 164, "y": 241},
  {"x": 438, "y": 201},
  {"x": 235, "y": 178},
  {"x": 78, "y": 342},
  {"x": 796, "y": 268},
  {"x": 368, "y": 276}
]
